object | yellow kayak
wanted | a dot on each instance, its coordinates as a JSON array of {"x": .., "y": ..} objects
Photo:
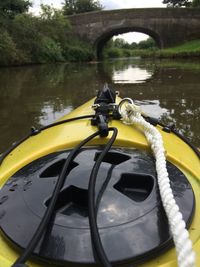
[{"x": 131, "y": 221}]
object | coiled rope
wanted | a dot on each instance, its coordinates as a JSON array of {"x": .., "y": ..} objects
[{"x": 131, "y": 114}]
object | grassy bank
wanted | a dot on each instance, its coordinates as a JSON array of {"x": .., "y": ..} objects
[{"x": 186, "y": 50}]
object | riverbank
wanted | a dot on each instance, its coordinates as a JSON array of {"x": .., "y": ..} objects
[
  {"x": 48, "y": 38},
  {"x": 28, "y": 40},
  {"x": 187, "y": 50}
]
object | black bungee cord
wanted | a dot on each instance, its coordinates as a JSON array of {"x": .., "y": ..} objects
[
  {"x": 20, "y": 262},
  {"x": 171, "y": 129},
  {"x": 151, "y": 120},
  {"x": 182, "y": 137},
  {"x": 37, "y": 131},
  {"x": 102, "y": 257},
  {"x": 92, "y": 206},
  {"x": 96, "y": 240}
]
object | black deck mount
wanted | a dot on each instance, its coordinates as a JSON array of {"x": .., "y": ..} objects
[
  {"x": 105, "y": 107},
  {"x": 131, "y": 220}
]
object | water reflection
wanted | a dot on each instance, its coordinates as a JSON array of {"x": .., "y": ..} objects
[
  {"x": 126, "y": 71},
  {"x": 152, "y": 108},
  {"x": 38, "y": 95},
  {"x": 131, "y": 73},
  {"x": 49, "y": 114}
]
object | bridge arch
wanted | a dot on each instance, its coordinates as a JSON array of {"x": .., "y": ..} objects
[
  {"x": 101, "y": 41},
  {"x": 167, "y": 26}
]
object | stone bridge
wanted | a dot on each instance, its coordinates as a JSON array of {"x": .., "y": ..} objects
[{"x": 167, "y": 26}]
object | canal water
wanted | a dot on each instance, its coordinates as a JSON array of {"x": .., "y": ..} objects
[{"x": 38, "y": 95}]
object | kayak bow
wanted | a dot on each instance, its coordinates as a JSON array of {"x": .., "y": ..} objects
[{"x": 131, "y": 220}]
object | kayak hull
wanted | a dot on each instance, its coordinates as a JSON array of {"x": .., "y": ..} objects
[{"x": 66, "y": 136}]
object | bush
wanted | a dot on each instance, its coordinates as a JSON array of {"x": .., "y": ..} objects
[
  {"x": 35, "y": 42},
  {"x": 9, "y": 54},
  {"x": 53, "y": 23},
  {"x": 43, "y": 39},
  {"x": 48, "y": 51},
  {"x": 77, "y": 53},
  {"x": 127, "y": 53},
  {"x": 147, "y": 44},
  {"x": 112, "y": 52},
  {"x": 76, "y": 50},
  {"x": 25, "y": 34}
]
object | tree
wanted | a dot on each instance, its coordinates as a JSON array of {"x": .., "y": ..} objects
[
  {"x": 134, "y": 45},
  {"x": 182, "y": 3},
  {"x": 119, "y": 43},
  {"x": 147, "y": 44},
  {"x": 54, "y": 23},
  {"x": 177, "y": 3},
  {"x": 10, "y": 8},
  {"x": 196, "y": 3},
  {"x": 81, "y": 6}
]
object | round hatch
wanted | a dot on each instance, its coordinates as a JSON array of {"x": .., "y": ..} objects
[{"x": 131, "y": 219}]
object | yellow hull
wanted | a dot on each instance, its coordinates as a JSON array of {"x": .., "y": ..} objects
[{"x": 68, "y": 135}]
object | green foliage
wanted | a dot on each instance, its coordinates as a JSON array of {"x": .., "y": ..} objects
[
  {"x": 53, "y": 22},
  {"x": 147, "y": 44},
  {"x": 127, "y": 53},
  {"x": 133, "y": 45},
  {"x": 177, "y": 3},
  {"x": 48, "y": 51},
  {"x": 182, "y": 3},
  {"x": 72, "y": 7},
  {"x": 43, "y": 39},
  {"x": 196, "y": 3},
  {"x": 77, "y": 54},
  {"x": 112, "y": 52},
  {"x": 10, "y": 8},
  {"x": 24, "y": 31},
  {"x": 75, "y": 50},
  {"x": 120, "y": 43},
  {"x": 49, "y": 13},
  {"x": 187, "y": 50},
  {"x": 120, "y": 48},
  {"x": 8, "y": 50},
  {"x": 109, "y": 44}
]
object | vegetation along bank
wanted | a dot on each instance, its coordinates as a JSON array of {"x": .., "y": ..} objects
[
  {"x": 26, "y": 38},
  {"x": 148, "y": 49}
]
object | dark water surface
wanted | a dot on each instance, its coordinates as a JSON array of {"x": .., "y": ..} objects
[{"x": 38, "y": 95}]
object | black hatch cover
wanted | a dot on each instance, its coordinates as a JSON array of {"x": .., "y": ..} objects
[{"x": 131, "y": 220}]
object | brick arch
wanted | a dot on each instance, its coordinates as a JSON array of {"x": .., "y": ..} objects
[
  {"x": 106, "y": 36},
  {"x": 168, "y": 26}
]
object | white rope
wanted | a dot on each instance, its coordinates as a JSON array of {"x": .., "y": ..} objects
[{"x": 185, "y": 254}]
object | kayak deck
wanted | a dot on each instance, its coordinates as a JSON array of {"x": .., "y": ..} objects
[{"x": 66, "y": 136}]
